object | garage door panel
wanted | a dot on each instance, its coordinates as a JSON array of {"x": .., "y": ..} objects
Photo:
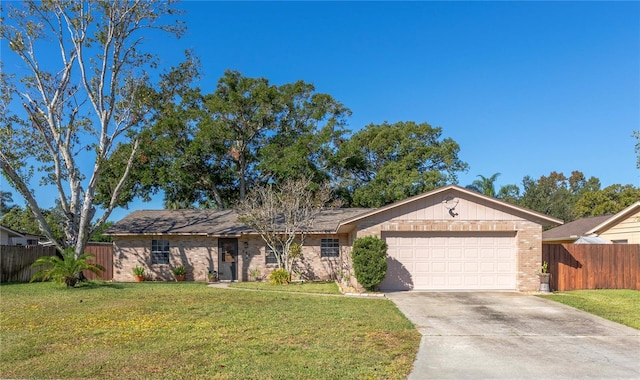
[
  {"x": 471, "y": 281},
  {"x": 504, "y": 268},
  {"x": 504, "y": 253},
  {"x": 439, "y": 267},
  {"x": 454, "y": 253},
  {"x": 452, "y": 262},
  {"x": 454, "y": 267},
  {"x": 487, "y": 280},
  {"x": 487, "y": 267},
  {"x": 471, "y": 253},
  {"x": 405, "y": 253},
  {"x": 421, "y": 267},
  {"x": 471, "y": 267}
]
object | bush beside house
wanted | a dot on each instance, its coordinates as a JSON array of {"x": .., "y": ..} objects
[{"x": 369, "y": 257}]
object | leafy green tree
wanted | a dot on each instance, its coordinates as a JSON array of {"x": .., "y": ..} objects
[
  {"x": 6, "y": 200},
  {"x": 369, "y": 256},
  {"x": 99, "y": 237},
  {"x": 275, "y": 133},
  {"x": 309, "y": 129},
  {"x": 389, "y": 162},
  {"x": 208, "y": 150},
  {"x": 66, "y": 270},
  {"x": 78, "y": 103},
  {"x": 182, "y": 153},
  {"x": 22, "y": 220},
  {"x": 245, "y": 108},
  {"x": 509, "y": 193},
  {"x": 556, "y": 195},
  {"x": 610, "y": 200}
]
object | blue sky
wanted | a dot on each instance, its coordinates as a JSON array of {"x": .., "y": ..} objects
[{"x": 525, "y": 88}]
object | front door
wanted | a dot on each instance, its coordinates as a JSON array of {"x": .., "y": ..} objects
[{"x": 227, "y": 258}]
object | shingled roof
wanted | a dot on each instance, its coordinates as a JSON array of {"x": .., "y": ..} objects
[
  {"x": 573, "y": 230},
  {"x": 209, "y": 222}
]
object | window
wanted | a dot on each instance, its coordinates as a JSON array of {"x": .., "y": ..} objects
[
  {"x": 622, "y": 241},
  {"x": 160, "y": 252},
  {"x": 330, "y": 248},
  {"x": 270, "y": 257}
]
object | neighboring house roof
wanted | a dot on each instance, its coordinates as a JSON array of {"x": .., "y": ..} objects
[
  {"x": 208, "y": 222},
  {"x": 531, "y": 215},
  {"x": 613, "y": 220},
  {"x": 573, "y": 230}
]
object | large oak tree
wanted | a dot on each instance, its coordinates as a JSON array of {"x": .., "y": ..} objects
[
  {"x": 388, "y": 162},
  {"x": 210, "y": 150}
]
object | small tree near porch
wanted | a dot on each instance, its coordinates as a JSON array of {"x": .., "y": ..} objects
[{"x": 284, "y": 214}]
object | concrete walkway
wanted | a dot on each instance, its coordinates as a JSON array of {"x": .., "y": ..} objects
[{"x": 515, "y": 336}]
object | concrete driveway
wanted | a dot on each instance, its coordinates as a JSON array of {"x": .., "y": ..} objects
[{"x": 496, "y": 335}]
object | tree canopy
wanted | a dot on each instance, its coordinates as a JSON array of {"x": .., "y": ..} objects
[
  {"x": 610, "y": 200},
  {"x": 388, "y": 162},
  {"x": 556, "y": 194},
  {"x": 208, "y": 150}
]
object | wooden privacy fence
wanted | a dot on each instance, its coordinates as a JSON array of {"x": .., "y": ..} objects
[
  {"x": 593, "y": 266},
  {"x": 15, "y": 261},
  {"x": 103, "y": 253}
]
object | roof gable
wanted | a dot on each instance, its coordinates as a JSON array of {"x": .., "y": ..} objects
[{"x": 451, "y": 202}]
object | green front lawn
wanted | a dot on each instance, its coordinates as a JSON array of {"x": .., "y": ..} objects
[
  {"x": 186, "y": 330},
  {"x": 618, "y": 305},
  {"x": 297, "y": 287}
]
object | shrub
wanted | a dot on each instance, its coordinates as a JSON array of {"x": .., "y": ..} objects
[
  {"x": 279, "y": 277},
  {"x": 369, "y": 256}
]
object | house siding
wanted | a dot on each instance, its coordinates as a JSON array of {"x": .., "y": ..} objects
[{"x": 628, "y": 229}]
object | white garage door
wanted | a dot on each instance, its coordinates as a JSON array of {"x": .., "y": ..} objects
[{"x": 450, "y": 262}]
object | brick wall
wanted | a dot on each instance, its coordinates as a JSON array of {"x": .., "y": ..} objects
[{"x": 199, "y": 254}]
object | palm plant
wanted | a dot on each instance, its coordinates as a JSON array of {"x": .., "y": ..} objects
[
  {"x": 66, "y": 270},
  {"x": 485, "y": 185}
]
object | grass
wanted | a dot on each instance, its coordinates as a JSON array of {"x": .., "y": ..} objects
[
  {"x": 618, "y": 305},
  {"x": 186, "y": 330},
  {"x": 297, "y": 287}
]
